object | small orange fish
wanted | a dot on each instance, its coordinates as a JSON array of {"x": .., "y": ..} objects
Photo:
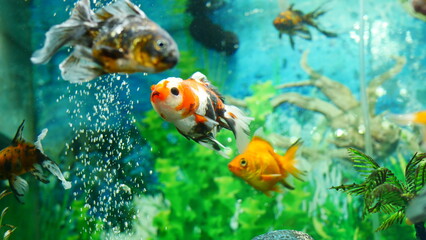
[
  {"x": 408, "y": 118},
  {"x": 22, "y": 157},
  {"x": 262, "y": 168},
  {"x": 295, "y": 23},
  {"x": 417, "y": 118}
]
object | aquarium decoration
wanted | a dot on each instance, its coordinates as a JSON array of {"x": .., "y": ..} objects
[
  {"x": 383, "y": 193},
  {"x": 12, "y": 228},
  {"x": 343, "y": 110}
]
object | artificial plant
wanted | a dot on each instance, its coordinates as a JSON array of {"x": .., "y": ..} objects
[
  {"x": 383, "y": 192},
  {"x": 12, "y": 228}
]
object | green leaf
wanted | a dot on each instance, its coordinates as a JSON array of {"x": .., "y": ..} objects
[
  {"x": 4, "y": 194},
  {"x": 389, "y": 194},
  {"x": 352, "y": 189},
  {"x": 362, "y": 162},
  {"x": 415, "y": 173},
  {"x": 397, "y": 217}
]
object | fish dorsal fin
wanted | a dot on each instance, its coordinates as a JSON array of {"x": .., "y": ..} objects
[
  {"x": 257, "y": 138},
  {"x": 18, "y": 136},
  {"x": 120, "y": 9},
  {"x": 201, "y": 78}
]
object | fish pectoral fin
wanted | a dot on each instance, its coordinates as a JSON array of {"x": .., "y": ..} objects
[
  {"x": 304, "y": 33},
  {"x": 291, "y": 41},
  {"x": 54, "y": 169},
  {"x": 79, "y": 67},
  {"x": 286, "y": 184},
  {"x": 19, "y": 187},
  {"x": 270, "y": 177},
  {"x": 211, "y": 143},
  {"x": 210, "y": 123},
  {"x": 120, "y": 10},
  {"x": 37, "y": 172}
]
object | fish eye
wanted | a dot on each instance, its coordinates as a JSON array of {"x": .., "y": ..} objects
[
  {"x": 174, "y": 91},
  {"x": 243, "y": 162},
  {"x": 160, "y": 45}
]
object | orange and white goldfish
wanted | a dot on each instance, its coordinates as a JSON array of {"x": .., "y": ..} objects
[
  {"x": 22, "y": 157},
  {"x": 198, "y": 111},
  {"x": 294, "y": 22},
  {"x": 262, "y": 168},
  {"x": 118, "y": 38}
]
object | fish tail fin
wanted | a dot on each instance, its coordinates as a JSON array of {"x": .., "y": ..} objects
[
  {"x": 312, "y": 16},
  {"x": 288, "y": 160},
  {"x": 239, "y": 123},
  {"x": 402, "y": 119},
  {"x": 325, "y": 32},
  {"x": 39, "y": 138},
  {"x": 60, "y": 35},
  {"x": 19, "y": 187},
  {"x": 54, "y": 169}
]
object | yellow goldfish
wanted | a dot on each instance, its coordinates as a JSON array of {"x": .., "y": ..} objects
[{"x": 262, "y": 168}]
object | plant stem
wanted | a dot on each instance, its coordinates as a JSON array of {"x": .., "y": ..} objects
[{"x": 420, "y": 230}]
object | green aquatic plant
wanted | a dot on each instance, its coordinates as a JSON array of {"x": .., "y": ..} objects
[
  {"x": 12, "y": 228},
  {"x": 203, "y": 200},
  {"x": 383, "y": 192}
]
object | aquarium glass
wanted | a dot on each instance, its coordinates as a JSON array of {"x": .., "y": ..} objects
[{"x": 332, "y": 74}]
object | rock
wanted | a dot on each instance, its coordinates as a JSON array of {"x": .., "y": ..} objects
[{"x": 284, "y": 235}]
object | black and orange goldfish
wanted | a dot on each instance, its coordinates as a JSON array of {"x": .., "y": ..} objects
[
  {"x": 118, "y": 38},
  {"x": 294, "y": 22},
  {"x": 262, "y": 168},
  {"x": 198, "y": 111},
  {"x": 22, "y": 157}
]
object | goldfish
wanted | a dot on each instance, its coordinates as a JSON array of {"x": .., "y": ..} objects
[
  {"x": 295, "y": 22},
  {"x": 408, "y": 118},
  {"x": 262, "y": 168},
  {"x": 22, "y": 157},
  {"x": 198, "y": 111},
  {"x": 118, "y": 38},
  {"x": 417, "y": 118}
]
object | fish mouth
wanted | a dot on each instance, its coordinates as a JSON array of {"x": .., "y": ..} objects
[
  {"x": 155, "y": 94},
  {"x": 231, "y": 168},
  {"x": 171, "y": 60}
]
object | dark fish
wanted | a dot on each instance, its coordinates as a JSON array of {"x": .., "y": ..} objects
[
  {"x": 419, "y": 6},
  {"x": 118, "y": 38},
  {"x": 294, "y": 22},
  {"x": 22, "y": 157},
  {"x": 213, "y": 36}
]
